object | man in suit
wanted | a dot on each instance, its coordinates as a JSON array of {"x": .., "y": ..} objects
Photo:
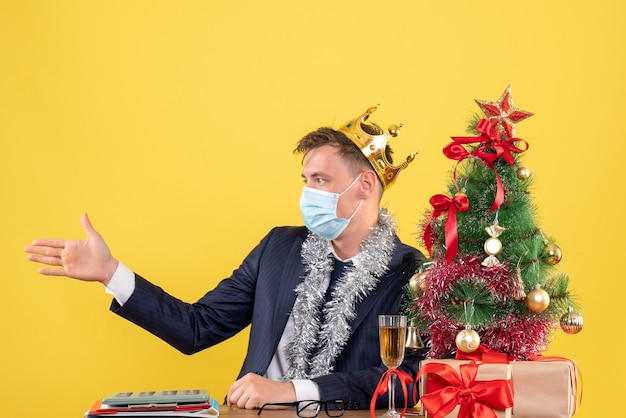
[{"x": 312, "y": 294}]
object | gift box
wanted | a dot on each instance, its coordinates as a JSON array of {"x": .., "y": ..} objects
[
  {"x": 544, "y": 388},
  {"x": 462, "y": 388}
]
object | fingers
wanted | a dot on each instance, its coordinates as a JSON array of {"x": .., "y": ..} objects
[
  {"x": 49, "y": 242},
  {"x": 44, "y": 250},
  {"x": 233, "y": 394},
  {"x": 52, "y": 272},
  {"x": 73, "y": 257},
  {"x": 87, "y": 226},
  {"x": 45, "y": 255},
  {"x": 252, "y": 391},
  {"x": 49, "y": 246},
  {"x": 238, "y": 395},
  {"x": 49, "y": 250},
  {"x": 45, "y": 259}
]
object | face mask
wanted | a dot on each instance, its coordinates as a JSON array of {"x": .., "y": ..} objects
[{"x": 319, "y": 211}]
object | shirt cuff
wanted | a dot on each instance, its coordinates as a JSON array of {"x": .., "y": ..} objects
[
  {"x": 306, "y": 390},
  {"x": 122, "y": 284}
]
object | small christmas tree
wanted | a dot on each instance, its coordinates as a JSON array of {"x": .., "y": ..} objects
[{"x": 492, "y": 276}]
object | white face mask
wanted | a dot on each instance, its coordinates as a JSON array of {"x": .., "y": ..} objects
[{"x": 319, "y": 211}]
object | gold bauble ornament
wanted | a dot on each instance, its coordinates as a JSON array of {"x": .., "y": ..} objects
[
  {"x": 552, "y": 253},
  {"x": 523, "y": 173},
  {"x": 467, "y": 340},
  {"x": 418, "y": 283},
  {"x": 571, "y": 322},
  {"x": 537, "y": 299}
]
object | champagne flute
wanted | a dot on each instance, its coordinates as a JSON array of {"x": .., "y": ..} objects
[{"x": 392, "y": 332}]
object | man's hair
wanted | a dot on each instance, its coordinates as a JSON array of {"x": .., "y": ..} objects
[{"x": 347, "y": 149}]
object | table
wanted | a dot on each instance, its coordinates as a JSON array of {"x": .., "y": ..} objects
[{"x": 229, "y": 411}]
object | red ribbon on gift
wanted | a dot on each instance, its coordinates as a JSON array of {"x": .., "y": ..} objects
[
  {"x": 442, "y": 203},
  {"x": 491, "y": 148},
  {"x": 383, "y": 387},
  {"x": 485, "y": 355},
  {"x": 476, "y": 398}
]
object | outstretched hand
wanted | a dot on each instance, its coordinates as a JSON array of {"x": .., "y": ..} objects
[{"x": 88, "y": 260}]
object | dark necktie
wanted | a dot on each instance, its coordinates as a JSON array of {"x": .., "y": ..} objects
[{"x": 338, "y": 269}]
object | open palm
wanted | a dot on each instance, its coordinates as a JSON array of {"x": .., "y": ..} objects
[{"x": 88, "y": 259}]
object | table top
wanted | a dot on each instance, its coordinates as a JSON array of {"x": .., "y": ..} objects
[{"x": 230, "y": 411}]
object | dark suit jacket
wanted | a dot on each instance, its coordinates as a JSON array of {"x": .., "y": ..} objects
[{"x": 261, "y": 292}]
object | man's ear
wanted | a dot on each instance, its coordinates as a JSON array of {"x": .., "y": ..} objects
[{"x": 369, "y": 183}]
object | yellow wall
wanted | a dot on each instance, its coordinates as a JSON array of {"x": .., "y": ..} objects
[{"x": 172, "y": 125}]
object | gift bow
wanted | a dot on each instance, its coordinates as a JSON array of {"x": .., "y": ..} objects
[
  {"x": 442, "y": 203},
  {"x": 491, "y": 148},
  {"x": 383, "y": 385},
  {"x": 476, "y": 398}
]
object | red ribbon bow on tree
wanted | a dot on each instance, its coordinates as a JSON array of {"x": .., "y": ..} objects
[
  {"x": 476, "y": 398},
  {"x": 383, "y": 387},
  {"x": 442, "y": 203},
  {"x": 491, "y": 148}
]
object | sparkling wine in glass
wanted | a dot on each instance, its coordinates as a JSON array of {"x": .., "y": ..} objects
[{"x": 392, "y": 332}]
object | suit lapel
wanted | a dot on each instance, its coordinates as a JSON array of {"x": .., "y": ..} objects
[{"x": 291, "y": 276}]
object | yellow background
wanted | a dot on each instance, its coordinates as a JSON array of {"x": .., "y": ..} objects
[{"x": 172, "y": 124}]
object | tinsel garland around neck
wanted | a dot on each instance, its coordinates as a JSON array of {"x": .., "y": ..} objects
[{"x": 358, "y": 281}]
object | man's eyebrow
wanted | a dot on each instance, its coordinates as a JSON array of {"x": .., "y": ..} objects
[{"x": 313, "y": 174}]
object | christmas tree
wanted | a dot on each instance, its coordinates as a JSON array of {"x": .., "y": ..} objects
[{"x": 492, "y": 279}]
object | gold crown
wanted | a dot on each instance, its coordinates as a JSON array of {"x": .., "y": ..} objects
[{"x": 374, "y": 147}]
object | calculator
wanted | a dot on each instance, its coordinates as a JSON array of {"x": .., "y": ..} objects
[{"x": 157, "y": 397}]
